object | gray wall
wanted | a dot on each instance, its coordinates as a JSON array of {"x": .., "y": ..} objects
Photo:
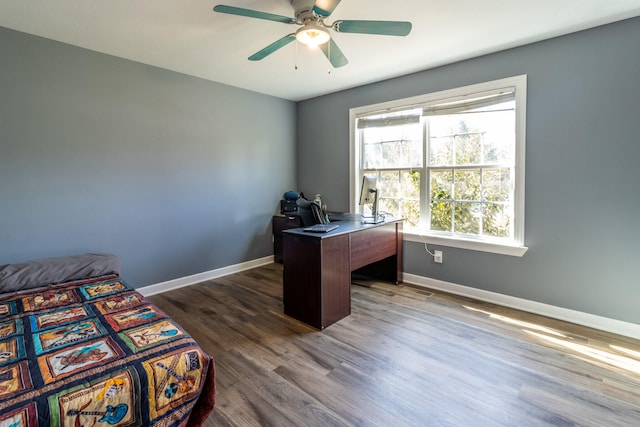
[
  {"x": 175, "y": 174},
  {"x": 582, "y": 174},
  {"x": 178, "y": 175}
]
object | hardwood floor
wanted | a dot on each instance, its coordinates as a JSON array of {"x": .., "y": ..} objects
[{"x": 404, "y": 357}]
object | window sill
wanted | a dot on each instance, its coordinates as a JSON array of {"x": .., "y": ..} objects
[{"x": 413, "y": 235}]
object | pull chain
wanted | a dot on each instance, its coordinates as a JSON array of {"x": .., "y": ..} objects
[{"x": 329, "y": 50}]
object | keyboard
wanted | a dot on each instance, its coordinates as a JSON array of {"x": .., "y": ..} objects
[{"x": 321, "y": 228}]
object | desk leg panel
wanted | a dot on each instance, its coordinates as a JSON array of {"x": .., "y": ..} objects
[
  {"x": 316, "y": 279},
  {"x": 301, "y": 293},
  {"x": 336, "y": 279}
]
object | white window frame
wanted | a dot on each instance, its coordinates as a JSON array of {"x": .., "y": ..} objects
[{"x": 515, "y": 247}]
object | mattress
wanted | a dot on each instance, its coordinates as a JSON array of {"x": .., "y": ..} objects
[{"x": 95, "y": 351}]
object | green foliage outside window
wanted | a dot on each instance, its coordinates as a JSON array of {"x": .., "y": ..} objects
[{"x": 469, "y": 196}]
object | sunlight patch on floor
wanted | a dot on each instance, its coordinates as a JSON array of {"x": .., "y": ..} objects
[
  {"x": 630, "y": 364},
  {"x": 516, "y": 322},
  {"x": 633, "y": 353},
  {"x": 622, "y": 362}
]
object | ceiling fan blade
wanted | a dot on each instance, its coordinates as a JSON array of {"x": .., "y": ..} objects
[
  {"x": 325, "y": 8},
  {"x": 261, "y": 54},
  {"x": 253, "y": 14},
  {"x": 385, "y": 28},
  {"x": 334, "y": 54}
]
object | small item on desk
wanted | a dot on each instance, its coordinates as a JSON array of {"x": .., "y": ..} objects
[
  {"x": 324, "y": 219},
  {"x": 291, "y": 195},
  {"x": 321, "y": 228},
  {"x": 325, "y": 214},
  {"x": 288, "y": 203}
]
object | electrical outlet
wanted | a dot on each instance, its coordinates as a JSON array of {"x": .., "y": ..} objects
[{"x": 437, "y": 257}]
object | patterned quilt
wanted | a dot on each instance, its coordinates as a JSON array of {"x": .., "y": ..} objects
[{"x": 96, "y": 352}]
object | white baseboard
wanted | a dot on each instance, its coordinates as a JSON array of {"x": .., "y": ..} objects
[
  {"x": 181, "y": 282},
  {"x": 619, "y": 327},
  {"x": 627, "y": 329}
]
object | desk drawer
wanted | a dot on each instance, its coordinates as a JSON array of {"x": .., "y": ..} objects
[
  {"x": 280, "y": 223},
  {"x": 374, "y": 244}
]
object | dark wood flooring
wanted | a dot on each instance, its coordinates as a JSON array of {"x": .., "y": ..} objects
[{"x": 404, "y": 357}]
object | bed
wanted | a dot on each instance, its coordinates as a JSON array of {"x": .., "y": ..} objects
[{"x": 80, "y": 347}]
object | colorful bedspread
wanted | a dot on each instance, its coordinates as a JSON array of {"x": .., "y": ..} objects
[{"x": 96, "y": 352}]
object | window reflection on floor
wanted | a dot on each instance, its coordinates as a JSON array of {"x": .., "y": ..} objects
[{"x": 616, "y": 355}]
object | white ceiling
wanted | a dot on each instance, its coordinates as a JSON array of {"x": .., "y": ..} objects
[{"x": 188, "y": 37}]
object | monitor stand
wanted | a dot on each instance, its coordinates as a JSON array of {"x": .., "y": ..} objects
[
  {"x": 377, "y": 219},
  {"x": 374, "y": 218}
]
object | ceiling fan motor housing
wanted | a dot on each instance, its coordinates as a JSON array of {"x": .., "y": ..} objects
[{"x": 303, "y": 10}]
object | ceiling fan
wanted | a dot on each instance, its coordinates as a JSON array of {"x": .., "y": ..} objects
[{"x": 310, "y": 15}]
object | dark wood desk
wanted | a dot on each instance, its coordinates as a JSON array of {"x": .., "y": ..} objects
[{"x": 318, "y": 267}]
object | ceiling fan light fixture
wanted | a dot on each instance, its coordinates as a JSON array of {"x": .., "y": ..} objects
[{"x": 312, "y": 35}]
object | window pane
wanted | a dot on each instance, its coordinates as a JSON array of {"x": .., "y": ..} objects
[
  {"x": 441, "y": 216},
  {"x": 478, "y": 137},
  {"x": 441, "y": 151},
  {"x": 499, "y": 135},
  {"x": 372, "y": 155},
  {"x": 388, "y": 205},
  {"x": 441, "y": 195},
  {"x": 400, "y": 194},
  {"x": 454, "y": 141},
  {"x": 496, "y": 185},
  {"x": 401, "y": 184},
  {"x": 389, "y": 184},
  {"x": 466, "y": 185},
  {"x": 441, "y": 126},
  {"x": 441, "y": 184},
  {"x": 467, "y": 218},
  {"x": 410, "y": 209},
  {"x": 467, "y": 145},
  {"x": 401, "y": 154},
  {"x": 411, "y": 185},
  {"x": 392, "y": 146},
  {"x": 496, "y": 220}
]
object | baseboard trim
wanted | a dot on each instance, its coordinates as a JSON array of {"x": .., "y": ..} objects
[
  {"x": 181, "y": 282},
  {"x": 614, "y": 326},
  {"x": 619, "y": 327}
]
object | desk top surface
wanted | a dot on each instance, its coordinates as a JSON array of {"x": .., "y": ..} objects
[{"x": 346, "y": 222}]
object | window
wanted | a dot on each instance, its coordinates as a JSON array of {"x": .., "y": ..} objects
[{"x": 451, "y": 163}]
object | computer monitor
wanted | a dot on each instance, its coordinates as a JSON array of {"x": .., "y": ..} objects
[{"x": 369, "y": 194}]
